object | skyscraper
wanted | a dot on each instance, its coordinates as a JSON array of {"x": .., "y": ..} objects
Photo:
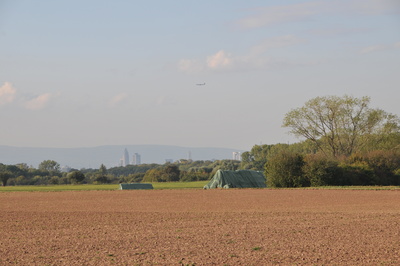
[
  {"x": 236, "y": 156},
  {"x": 125, "y": 158},
  {"x": 136, "y": 159}
]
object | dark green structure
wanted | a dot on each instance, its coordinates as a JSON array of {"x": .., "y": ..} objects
[
  {"x": 135, "y": 186},
  {"x": 237, "y": 179}
]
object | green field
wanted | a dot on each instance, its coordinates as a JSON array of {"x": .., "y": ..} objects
[{"x": 166, "y": 185}]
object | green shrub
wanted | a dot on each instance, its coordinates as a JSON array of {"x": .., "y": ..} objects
[
  {"x": 357, "y": 174},
  {"x": 76, "y": 177},
  {"x": 319, "y": 170},
  {"x": 133, "y": 178},
  {"x": 384, "y": 165},
  {"x": 101, "y": 179},
  {"x": 54, "y": 180},
  {"x": 193, "y": 176},
  {"x": 4, "y": 176},
  {"x": 373, "y": 168},
  {"x": 284, "y": 169},
  {"x": 167, "y": 173}
]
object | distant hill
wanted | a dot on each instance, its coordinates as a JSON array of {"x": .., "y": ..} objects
[{"x": 110, "y": 156}]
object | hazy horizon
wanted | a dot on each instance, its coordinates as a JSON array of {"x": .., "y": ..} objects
[
  {"x": 110, "y": 155},
  {"x": 89, "y": 73},
  {"x": 124, "y": 145}
]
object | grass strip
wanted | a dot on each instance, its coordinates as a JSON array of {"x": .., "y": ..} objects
[
  {"x": 166, "y": 185},
  {"x": 86, "y": 187}
]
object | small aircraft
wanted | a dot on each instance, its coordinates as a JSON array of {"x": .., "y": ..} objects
[{"x": 201, "y": 84}]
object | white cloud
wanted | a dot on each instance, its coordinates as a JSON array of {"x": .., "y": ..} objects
[
  {"x": 255, "y": 58},
  {"x": 38, "y": 102},
  {"x": 7, "y": 93},
  {"x": 267, "y": 16},
  {"x": 381, "y": 47},
  {"x": 219, "y": 60},
  {"x": 117, "y": 99}
]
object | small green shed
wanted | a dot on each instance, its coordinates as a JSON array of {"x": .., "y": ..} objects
[{"x": 135, "y": 186}]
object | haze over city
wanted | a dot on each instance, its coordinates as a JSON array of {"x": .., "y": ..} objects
[{"x": 91, "y": 73}]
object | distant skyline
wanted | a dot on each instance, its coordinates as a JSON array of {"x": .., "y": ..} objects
[
  {"x": 89, "y": 73},
  {"x": 109, "y": 155}
]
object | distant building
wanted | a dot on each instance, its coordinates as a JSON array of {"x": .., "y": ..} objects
[
  {"x": 169, "y": 160},
  {"x": 65, "y": 169},
  {"x": 125, "y": 158},
  {"x": 236, "y": 156},
  {"x": 136, "y": 160}
]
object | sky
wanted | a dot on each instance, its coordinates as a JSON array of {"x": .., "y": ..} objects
[{"x": 92, "y": 73}]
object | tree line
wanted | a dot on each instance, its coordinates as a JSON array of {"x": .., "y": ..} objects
[
  {"x": 346, "y": 142},
  {"x": 49, "y": 173},
  {"x": 294, "y": 165}
]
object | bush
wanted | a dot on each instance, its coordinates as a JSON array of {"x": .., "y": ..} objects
[
  {"x": 39, "y": 180},
  {"x": 138, "y": 177},
  {"x": 396, "y": 177},
  {"x": 76, "y": 176},
  {"x": 194, "y": 176},
  {"x": 54, "y": 180},
  {"x": 357, "y": 174},
  {"x": 284, "y": 169},
  {"x": 321, "y": 171},
  {"x": 384, "y": 165},
  {"x": 101, "y": 179},
  {"x": 373, "y": 168},
  {"x": 132, "y": 178},
  {"x": 64, "y": 181},
  {"x": 164, "y": 174},
  {"x": 171, "y": 173},
  {"x": 152, "y": 175},
  {"x": 4, "y": 176},
  {"x": 21, "y": 180}
]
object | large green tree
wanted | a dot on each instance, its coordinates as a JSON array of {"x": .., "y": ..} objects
[
  {"x": 256, "y": 158},
  {"x": 101, "y": 177},
  {"x": 341, "y": 125},
  {"x": 7, "y": 172},
  {"x": 4, "y": 176},
  {"x": 50, "y": 166}
]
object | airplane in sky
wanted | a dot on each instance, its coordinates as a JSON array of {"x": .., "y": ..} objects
[{"x": 201, "y": 84}]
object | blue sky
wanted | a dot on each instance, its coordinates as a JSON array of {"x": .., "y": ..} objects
[{"x": 90, "y": 73}]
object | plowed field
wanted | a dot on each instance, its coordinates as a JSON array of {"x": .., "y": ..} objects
[{"x": 220, "y": 227}]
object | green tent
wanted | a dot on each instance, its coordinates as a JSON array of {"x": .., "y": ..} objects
[
  {"x": 135, "y": 186},
  {"x": 237, "y": 179}
]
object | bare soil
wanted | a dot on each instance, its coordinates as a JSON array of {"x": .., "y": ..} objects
[{"x": 201, "y": 227}]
